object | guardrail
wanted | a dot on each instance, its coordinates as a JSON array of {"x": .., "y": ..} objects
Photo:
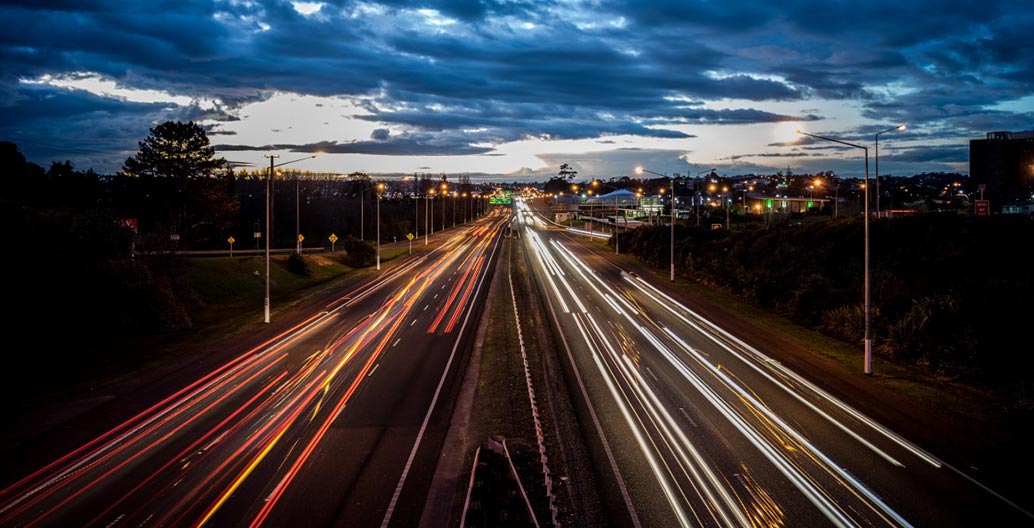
[
  {"x": 227, "y": 253},
  {"x": 491, "y": 500}
]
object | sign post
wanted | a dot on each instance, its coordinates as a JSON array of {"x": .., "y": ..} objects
[
  {"x": 410, "y": 237},
  {"x": 231, "y": 240},
  {"x": 333, "y": 240},
  {"x": 982, "y": 207}
]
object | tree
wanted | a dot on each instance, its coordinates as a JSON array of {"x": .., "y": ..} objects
[
  {"x": 175, "y": 175},
  {"x": 567, "y": 172},
  {"x": 175, "y": 150}
]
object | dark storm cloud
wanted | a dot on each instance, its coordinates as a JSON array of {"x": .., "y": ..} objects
[
  {"x": 505, "y": 70},
  {"x": 927, "y": 153},
  {"x": 408, "y": 145}
]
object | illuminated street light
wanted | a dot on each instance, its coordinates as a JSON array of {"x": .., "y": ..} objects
[
  {"x": 868, "y": 303},
  {"x": 698, "y": 198},
  {"x": 640, "y": 170},
  {"x": 380, "y": 189},
  {"x": 269, "y": 232},
  {"x": 428, "y": 211},
  {"x": 899, "y": 127},
  {"x": 445, "y": 194}
]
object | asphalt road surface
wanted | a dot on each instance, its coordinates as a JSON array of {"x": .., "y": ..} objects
[
  {"x": 696, "y": 427},
  {"x": 337, "y": 421}
]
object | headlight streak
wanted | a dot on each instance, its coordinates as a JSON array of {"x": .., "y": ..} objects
[
  {"x": 579, "y": 266},
  {"x": 702, "y": 477},
  {"x": 830, "y": 466},
  {"x": 651, "y": 460},
  {"x": 802, "y": 482},
  {"x": 542, "y": 255},
  {"x": 795, "y": 394},
  {"x": 769, "y": 362},
  {"x": 817, "y": 496}
]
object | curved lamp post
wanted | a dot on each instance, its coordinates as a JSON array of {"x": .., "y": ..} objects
[
  {"x": 269, "y": 232},
  {"x": 899, "y": 127},
  {"x": 868, "y": 303}
]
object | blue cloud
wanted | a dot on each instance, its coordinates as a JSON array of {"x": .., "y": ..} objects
[{"x": 493, "y": 71}]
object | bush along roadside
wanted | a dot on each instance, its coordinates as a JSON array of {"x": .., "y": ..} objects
[{"x": 945, "y": 289}]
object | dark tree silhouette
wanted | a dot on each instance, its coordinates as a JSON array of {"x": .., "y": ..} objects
[
  {"x": 175, "y": 150},
  {"x": 567, "y": 172},
  {"x": 177, "y": 189}
]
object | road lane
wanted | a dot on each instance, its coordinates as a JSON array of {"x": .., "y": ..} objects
[
  {"x": 715, "y": 433},
  {"x": 313, "y": 427}
]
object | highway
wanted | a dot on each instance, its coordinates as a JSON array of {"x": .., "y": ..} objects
[
  {"x": 695, "y": 427},
  {"x": 336, "y": 421}
]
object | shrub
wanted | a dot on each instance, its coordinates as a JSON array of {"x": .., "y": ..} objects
[
  {"x": 358, "y": 253},
  {"x": 299, "y": 265}
]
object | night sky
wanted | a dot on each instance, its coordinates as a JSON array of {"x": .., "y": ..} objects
[{"x": 515, "y": 88}]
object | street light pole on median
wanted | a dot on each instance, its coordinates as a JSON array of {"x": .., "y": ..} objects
[
  {"x": 865, "y": 207},
  {"x": 269, "y": 232}
]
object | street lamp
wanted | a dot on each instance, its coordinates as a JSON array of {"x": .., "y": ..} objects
[
  {"x": 640, "y": 170},
  {"x": 380, "y": 189},
  {"x": 297, "y": 215},
  {"x": 269, "y": 232},
  {"x": 697, "y": 191},
  {"x": 445, "y": 194},
  {"x": 427, "y": 211},
  {"x": 867, "y": 301},
  {"x": 899, "y": 127},
  {"x": 728, "y": 204},
  {"x": 589, "y": 192}
]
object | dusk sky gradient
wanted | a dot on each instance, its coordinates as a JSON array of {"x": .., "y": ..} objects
[{"x": 513, "y": 88}]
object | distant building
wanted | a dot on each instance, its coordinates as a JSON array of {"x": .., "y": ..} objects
[
  {"x": 1004, "y": 164},
  {"x": 763, "y": 204}
]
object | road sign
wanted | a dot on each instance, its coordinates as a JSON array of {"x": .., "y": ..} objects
[
  {"x": 231, "y": 240},
  {"x": 982, "y": 207},
  {"x": 410, "y": 236},
  {"x": 332, "y": 238},
  {"x": 301, "y": 238}
]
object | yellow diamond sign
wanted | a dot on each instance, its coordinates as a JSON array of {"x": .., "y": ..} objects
[
  {"x": 332, "y": 238},
  {"x": 301, "y": 238},
  {"x": 410, "y": 236},
  {"x": 231, "y": 240}
]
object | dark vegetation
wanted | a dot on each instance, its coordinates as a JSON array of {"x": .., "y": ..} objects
[
  {"x": 950, "y": 293},
  {"x": 75, "y": 291}
]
